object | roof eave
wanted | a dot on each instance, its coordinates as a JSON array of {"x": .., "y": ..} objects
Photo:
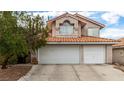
[
  {"x": 118, "y": 47},
  {"x": 108, "y": 43}
]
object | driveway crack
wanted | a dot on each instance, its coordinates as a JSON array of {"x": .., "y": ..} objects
[
  {"x": 75, "y": 71},
  {"x": 96, "y": 74}
]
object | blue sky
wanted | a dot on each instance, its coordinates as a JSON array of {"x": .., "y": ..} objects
[{"x": 114, "y": 20}]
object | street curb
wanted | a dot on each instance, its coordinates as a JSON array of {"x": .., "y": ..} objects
[{"x": 27, "y": 76}]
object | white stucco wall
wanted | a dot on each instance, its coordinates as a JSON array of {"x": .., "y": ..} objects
[
  {"x": 109, "y": 54},
  {"x": 118, "y": 55}
]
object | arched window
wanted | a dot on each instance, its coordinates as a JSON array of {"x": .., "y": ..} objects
[{"x": 66, "y": 28}]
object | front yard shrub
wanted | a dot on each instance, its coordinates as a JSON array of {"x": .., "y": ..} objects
[
  {"x": 1, "y": 59},
  {"x": 12, "y": 60}
]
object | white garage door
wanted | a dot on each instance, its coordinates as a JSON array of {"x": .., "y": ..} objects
[
  {"x": 59, "y": 54},
  {"x": 94, "y": 54}
]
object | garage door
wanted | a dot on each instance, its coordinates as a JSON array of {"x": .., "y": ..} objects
[
  {"x": 94, "y": 54},
  {"x": 59, "y": 54}
]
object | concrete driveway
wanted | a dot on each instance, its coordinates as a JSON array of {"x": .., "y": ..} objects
[{"x": 73, "y": 73}]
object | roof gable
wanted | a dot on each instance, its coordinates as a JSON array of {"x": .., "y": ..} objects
[
  {"x": 90, "y": 20},
  {"x": 63, "y": 15},
  {"x": 77, "y": 17}
]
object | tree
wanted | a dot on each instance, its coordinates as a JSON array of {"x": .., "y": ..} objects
[
  {"x": 20, "y": 34},
  {"x": 12, "y": 42},
  {"x": 36, "y": 34}
]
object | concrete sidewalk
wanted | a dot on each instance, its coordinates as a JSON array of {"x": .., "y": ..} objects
[{"x": 73, "y": 73}]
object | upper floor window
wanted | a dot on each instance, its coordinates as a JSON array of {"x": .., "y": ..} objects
[
  {"x": 66, "y": 28},
  {"x": 93, "y": 32}
]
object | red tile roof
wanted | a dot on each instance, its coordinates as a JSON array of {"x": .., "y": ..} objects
[
  {"x": 121, "y": 44},
  {"x": 80, "y": 39}
]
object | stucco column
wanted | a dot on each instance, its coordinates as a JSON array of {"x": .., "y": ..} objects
[
  {"x": 109, "y": 54},
  {"x": 81, "y": 54}
]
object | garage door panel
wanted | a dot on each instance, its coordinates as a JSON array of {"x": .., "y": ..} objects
[
  {"x": 59, "y": 54},
  {"x": 94, "y": 54}
]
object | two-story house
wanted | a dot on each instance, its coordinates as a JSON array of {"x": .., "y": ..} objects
[{"x": 75, "y": 39}]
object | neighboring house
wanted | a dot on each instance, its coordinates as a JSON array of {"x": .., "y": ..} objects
[
  {"x": 75, "y": 39},
  {"x": 118, "y": 52}
]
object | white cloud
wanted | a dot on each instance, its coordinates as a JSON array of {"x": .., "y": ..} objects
[
  {"x": 112, "y": 17},
  {"x": 114, "y": 33}
]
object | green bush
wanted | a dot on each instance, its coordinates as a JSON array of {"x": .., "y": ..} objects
[
  {"x": 1, "y": 59},
  {"x": 13, "y": 60}
]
